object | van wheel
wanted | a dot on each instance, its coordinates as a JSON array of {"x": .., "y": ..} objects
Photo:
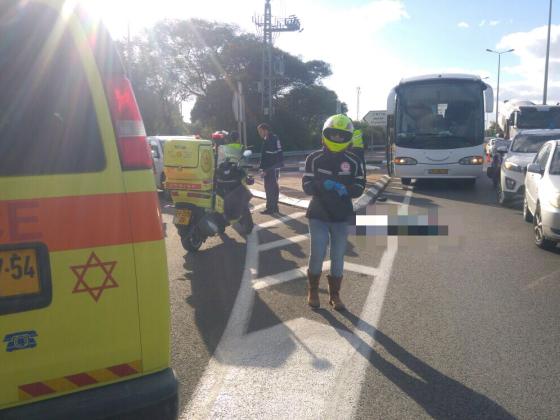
[
  {"x": 540, "y": 240},
  {"x": 192, "y": 241},
  {"x": 406, "y": 181},
  {"x": 527, "y": 216}
]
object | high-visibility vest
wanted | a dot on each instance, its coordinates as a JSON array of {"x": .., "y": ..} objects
[
  {"x": 357, "y": 140},
  {"x": 231, "y": 151}
]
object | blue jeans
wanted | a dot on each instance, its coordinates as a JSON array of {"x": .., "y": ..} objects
[{"x": 320, "y": 233}]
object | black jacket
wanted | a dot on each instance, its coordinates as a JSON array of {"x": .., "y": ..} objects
[
  {"x": 272, "y": 156},
  {"x": 344, "y": 168}
]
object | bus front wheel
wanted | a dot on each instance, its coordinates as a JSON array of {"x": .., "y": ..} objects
[{"x": 406, "y": 181}]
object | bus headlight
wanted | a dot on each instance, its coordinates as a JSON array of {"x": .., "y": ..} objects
[
  {"x": 472, "y": 160},
  {"x": 404, "y": 161},
  {"x": 513, "y": 166}
]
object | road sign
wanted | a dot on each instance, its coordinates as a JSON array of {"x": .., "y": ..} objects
[{"x": 376, "y": 118}]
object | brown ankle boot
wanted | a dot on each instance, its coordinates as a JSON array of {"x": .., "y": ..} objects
[
  {"x": 313, "y": 289},
  {"x": 334, "y": 290}
]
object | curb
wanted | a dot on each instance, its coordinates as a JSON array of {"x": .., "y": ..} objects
[
  {"x": 366, "y": 198},
  {"x": 283, "y": 199},
  {"x": 372, "y": 193}
]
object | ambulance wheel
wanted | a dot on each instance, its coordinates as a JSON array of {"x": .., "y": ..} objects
[
  {"x": 192, "y": 241},
  {"x": 247, "y": 222}
]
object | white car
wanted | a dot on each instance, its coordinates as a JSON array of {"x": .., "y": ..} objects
[
  {"x": 542, "y": 195},
  {"x": 521, "y": 153},
  {"x": 156, "y": 144}
]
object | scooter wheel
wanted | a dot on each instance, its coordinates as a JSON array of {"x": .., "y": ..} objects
[
  {"x": 191, "y": 242},
  {"x": 247, "y": 222}
]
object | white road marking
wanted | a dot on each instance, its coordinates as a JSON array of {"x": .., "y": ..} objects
[
  {"x": 258, "y": 207},
  {"x": 281, "y": 220},
  {"x": 296, "y": 273},
  {"x": 212, "y": 382},
  {"x": 298, "y": 369},
  {"x": 283, "y": 242}
]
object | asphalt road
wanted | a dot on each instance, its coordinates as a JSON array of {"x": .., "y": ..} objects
[{"x": 458, "y": 326}]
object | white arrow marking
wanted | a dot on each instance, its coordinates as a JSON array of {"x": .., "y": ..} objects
[
  {"x": 283, "y": 242},
  {"x": 294, "y": 370}
]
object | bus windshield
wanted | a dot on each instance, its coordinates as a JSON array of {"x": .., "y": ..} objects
[
  {"x": 440, "y": 115},
  {"x": 538, "y": 118}
]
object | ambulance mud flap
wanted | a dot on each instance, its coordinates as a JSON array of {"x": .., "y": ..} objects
[{"x": 147, "y": 397}]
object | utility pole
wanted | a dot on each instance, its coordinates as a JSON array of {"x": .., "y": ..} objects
[
  {"x": 128, "y": 50},
  {"x": 499, "y": 53},
  {"x": 358, "y": 103},
  {"x": 547, "y": 55},
  {"x": 270, "y": 25}
]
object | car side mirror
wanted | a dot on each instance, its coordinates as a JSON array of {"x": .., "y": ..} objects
[{"x": 535, "y": 168}]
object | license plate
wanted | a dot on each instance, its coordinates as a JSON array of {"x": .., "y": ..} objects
[
  {"x": 19, "y": 274},
  {"x": 438, "y": 171},
  {"x": 182, "y": 217}
]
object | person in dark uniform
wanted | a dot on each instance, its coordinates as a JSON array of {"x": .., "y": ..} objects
[
  {"x": 333, "y": 176},
  {"x": 272, "y": 159}
]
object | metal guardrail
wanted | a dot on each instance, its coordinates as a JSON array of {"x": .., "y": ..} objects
[{"x": 294, "y": 153}]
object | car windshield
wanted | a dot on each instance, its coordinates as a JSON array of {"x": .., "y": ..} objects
[
  {"x": 439, "y": 115},
  {"x": 555, "y": 163},
  {"x": 530, "y": 143}
]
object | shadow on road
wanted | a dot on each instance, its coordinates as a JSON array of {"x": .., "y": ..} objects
[
  {"x": 215, "y": 275},
  {"x": 439, "y": 395},
  {"x": 483, "y": 193}
]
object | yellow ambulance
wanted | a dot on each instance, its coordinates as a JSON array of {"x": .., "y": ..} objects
[{"x": 84, "y": 305}]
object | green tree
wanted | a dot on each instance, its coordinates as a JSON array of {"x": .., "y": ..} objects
[
  {"x": 179, "y": 60},
  {"x": 494, "y": 130}
]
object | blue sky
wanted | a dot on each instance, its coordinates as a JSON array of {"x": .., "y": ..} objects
[
  {"x": 374, "y": 43},
  {"x": 431, "y": 36}
]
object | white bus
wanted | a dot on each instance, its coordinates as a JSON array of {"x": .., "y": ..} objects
[
  {"x": 518, "y": 115},
  {"x": 435, "y": 127}
]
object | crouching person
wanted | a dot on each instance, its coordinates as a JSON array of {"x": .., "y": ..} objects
[{"x": 333, "y": 176}]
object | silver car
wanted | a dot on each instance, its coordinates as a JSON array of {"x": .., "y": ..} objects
[
  {"x": 541, "y": 203},
  {"x": 521, "y": 152}
]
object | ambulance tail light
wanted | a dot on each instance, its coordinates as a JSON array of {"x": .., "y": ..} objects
[{"x": 134, "y": 150}]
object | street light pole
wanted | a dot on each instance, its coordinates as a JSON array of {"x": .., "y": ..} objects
[
  {"x": 547, "y": 55},
  {"x": 498, "y": 84}
]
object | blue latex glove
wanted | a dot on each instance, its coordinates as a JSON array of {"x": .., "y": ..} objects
[
  {"x": 340, "y": 189},
  {"x": 329, "y": 184}
]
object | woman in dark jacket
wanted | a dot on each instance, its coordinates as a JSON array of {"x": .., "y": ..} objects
[{"x": 333, "y": 176}]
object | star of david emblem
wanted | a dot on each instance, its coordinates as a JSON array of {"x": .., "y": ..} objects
[{"x": 94, "y": 266}]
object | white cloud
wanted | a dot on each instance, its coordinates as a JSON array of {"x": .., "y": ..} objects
[
  {"x": 482, "y": 22},
  {"x": 494, "y": 22},
  {"x": 528, "y": 75},
  {"x": 463, "y": 25}
]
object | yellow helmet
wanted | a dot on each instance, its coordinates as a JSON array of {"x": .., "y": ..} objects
[{"x": 337, "y": 133}]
